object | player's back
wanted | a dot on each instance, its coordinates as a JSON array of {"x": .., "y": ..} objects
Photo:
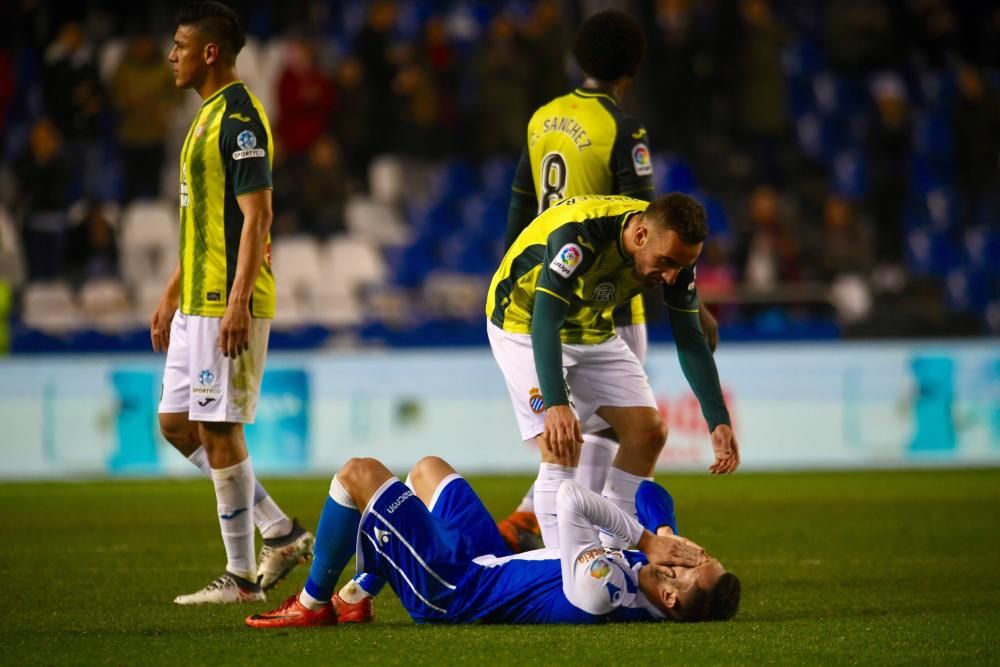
[{"x": 581, "y": 143}]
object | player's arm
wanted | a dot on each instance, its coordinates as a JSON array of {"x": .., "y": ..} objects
[
  {"x": 699, "y": 368},
  {"x": 631, "y": 161},
  {"x": 655, "y": 508},
  {"x": 163, "y": 316},
  {"x": 234, "y": 333},
  {"x": 245, "y": 143},
  {"x": 587, "y": 570},
  {"x": 523, "y": 201},
  {"x": 564, "y": 261}
]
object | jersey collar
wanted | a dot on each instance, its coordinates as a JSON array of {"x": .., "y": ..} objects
[
  {"x": 594, "y": 92},
  {"x": 211, "y": 98}
]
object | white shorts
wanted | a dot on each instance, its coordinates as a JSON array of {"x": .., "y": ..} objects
[
  {"x": 636, "y": 338},
  {"x": 199, "y": 380},
  {"x": 604, "y": 375}
]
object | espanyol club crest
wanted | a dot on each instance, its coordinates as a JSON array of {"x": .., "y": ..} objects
[
  {"x": 535, "y": 401},
  {"x": 604, "y": 292}
]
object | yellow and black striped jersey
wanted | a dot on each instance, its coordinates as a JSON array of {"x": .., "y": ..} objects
[
  {"x": 582, "y": 144},
  {"x": 574, "y": 252},
  {"x": 227, "y": 152}
]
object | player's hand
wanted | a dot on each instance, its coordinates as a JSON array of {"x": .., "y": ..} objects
[
  {"x": 727, "y": 451},
  {"x": 562, "y": 436},
  {"x": 234, "y": 333},
  {"x": 159, "y": 324},
  {"x": 709, "y": 327},
  {"x": 667, "y": 551}
]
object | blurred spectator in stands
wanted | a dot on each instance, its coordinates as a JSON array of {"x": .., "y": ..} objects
[
  {"x": 323, "y": 188},
  {"x": 6, "y": 92},
  {"x": 674, "y": 88},
  {"x": 306, "y": 100},
  {"x": 770, "y": 253},
  {"x": 418, "y": 127},
  {"x": 144, "y": 95},
  {"x": 547, "y": 42},
  {"x": 93, "y": 246},
  {"x": 71, "y": 85},
  {"x": 889, "y": 146},
  {"x": 45, "y": 181},
  {"x": 845, "y": 246},
  {"x": 354, "y": 119},
  {"x": 862, "y": 35},
  {"x": 935, "y": 33},
  {"x": 762, "y": 104},
  {"x": 372, "y": 47},
  {"x": 976, "y": 127},
  {"x": 445, "y": 69},
  {"x": 503, "y": 73}
]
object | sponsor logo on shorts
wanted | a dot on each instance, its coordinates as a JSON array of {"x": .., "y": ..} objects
[
  {"x": 206, "y": 387},
  {"x": 247, "y": 141},
  {"x": 641, "y": 161},
  {"x": 535, "y": 401},
  {"x": 205, "y": 401},
  {"x": 382, "y": 535},
  {"x": 604, "y": 292},
  {"x": 394, "y": 505},
  {"x": 206, "y": 377},
  {"x": 567, "y": 259}
]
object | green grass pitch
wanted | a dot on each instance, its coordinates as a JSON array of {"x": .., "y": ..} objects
[{"x": 837, "y": 568}]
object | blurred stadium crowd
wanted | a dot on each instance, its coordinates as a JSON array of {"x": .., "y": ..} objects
[{"x": 847, "y": 152}]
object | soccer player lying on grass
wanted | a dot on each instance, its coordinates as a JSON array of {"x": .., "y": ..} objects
[{"x": 440, "y": 551}]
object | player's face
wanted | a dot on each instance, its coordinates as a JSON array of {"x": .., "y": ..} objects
[
  {"x": 661, "y": 255},
  {"x": 679, "y": 589},
  {"x": 187, "y": 60}
]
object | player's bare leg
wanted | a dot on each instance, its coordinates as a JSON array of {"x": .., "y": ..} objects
[{"x": 286, "y": 542}]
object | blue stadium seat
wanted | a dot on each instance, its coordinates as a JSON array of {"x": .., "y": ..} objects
[
  {"x": 718, "y": 220},
  {"x": 803, "y": 58},
  {"x": 932, "y": 135},
  {"x": 967, "y": 290},
  {"x": 672, "y": 174},
  {"x": 850, "y": 174},
  {"x": 929, "y": 253}
]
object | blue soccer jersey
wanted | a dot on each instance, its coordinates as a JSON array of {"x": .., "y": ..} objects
[{"x": 448, "y": 563}]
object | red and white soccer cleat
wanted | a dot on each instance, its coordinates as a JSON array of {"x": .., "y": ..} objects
[
  {"x": 359, "y": 612},
  {"x": 293, "y": 614},
  {"x": 521, "y": 532}
]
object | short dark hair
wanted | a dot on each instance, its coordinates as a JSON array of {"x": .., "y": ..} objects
[
  {"x": 682, "y": 214},
  {"x": 609, "y": 46},
  {"x": 718, "y": 603},
  {"x": 218, "y": 23}
]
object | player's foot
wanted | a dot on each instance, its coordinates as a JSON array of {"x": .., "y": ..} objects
[
  {"x": 293, "y": 614},
  {"x": 359, "y": 612},
  {"x": 521, "y": 532},
  {"x": 280, "y": 555},
  {"x": 227, "y": 589}
]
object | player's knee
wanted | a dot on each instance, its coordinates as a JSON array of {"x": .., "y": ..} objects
[
  {"x": 654, "y": 435},
  {"x": 179, "y": 432},
  {"x": 428, "y": 473},
  {"x": 356, "y": 471}
]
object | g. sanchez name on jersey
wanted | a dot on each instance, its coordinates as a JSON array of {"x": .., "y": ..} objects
[{"x": 574, "y": 252}]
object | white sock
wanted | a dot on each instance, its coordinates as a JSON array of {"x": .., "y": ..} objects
[
  {"x": 550, "y": 477},
  {"x": 267, "y": 516},
  {"x": 311, "y": 603},
  {"x": 620, "y": 489},
  {"x": 528, "y": 501},
  {"x": 596, "y": 457},
  {"x": 234, "y": 495},
  {"x": 351, "y": 593}
]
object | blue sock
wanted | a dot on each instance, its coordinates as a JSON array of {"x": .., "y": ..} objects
[
  {"x": 336, "y": 537},
  {"x": 369, "y": 583},
  {"x": 655, "y": 507}
]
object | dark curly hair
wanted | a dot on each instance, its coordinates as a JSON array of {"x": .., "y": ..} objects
[
  {"x": 718, "y": 603},
  {"x": 609, "y": 46},
  {"x": 218, "y": 23}
]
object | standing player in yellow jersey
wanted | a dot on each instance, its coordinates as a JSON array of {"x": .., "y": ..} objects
[
  {"x": 578, "y": 144},
  {"x": 215, "y": 314},
  {"x": 549, "y": 310}
]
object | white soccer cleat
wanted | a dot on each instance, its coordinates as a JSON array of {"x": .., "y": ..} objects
[
  {"x": 227, "y": 589},
  {"x": 280, "y": 555}
]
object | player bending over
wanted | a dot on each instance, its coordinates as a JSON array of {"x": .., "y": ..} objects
[{"x": 438, "y": 548}]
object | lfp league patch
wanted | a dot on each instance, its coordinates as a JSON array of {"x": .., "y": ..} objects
[
  {"x": 641, "y": 160},
  {"x": 567, "y": 259}
]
